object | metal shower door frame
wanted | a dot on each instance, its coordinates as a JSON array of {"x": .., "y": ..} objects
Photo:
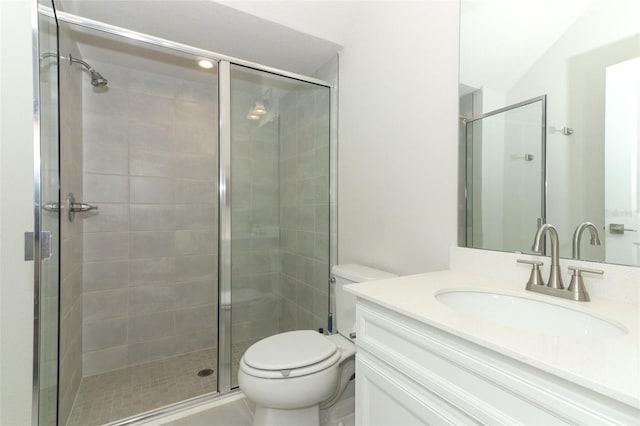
[
  {"x": 224, "y": 223},
  {"x": 468, "y": 191}
]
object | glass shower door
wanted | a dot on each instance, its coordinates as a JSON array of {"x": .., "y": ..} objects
[
  {"x": 48, "y": 265},
  {"x": 505, "y": 170},
  {"x": 140, "y": 274},
  {"x": 279, "y": 207}
]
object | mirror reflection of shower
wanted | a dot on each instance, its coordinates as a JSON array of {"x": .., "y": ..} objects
[{"x": 97, "y": 80}]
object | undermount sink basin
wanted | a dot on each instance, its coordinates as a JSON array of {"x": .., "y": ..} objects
[{"x": 528, "y": 314}]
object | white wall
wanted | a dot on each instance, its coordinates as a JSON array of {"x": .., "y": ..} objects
[
  {"x": 16, "y": 195},
  {"x": 397, "y": 173}
]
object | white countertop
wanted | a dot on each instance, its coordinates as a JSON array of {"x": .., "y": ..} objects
[{"x": 610, "y": 366}]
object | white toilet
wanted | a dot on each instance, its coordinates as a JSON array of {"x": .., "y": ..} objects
[{"x": 290, "y": 376}]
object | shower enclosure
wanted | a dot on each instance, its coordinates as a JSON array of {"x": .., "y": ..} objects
[
  {"x": 505, "y": 176},
  {"x": 202, "y": 221}
]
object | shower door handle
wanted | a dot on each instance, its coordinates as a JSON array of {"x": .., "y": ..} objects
[
  {"x": 77, "y": 207},
  {"x": 82, "y": 207},
  {"x": 51, "y": 207}
]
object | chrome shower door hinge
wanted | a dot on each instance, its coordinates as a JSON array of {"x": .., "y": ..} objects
[{"x": 29, "y": 245}]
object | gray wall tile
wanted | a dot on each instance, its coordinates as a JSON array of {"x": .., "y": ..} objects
[
  {"x": 151, "y": 326},
  {"x": 147, "y": 190},
  {"x": 197, "y": 340},
  {"x": 192, "y": 319},
  {"x": 106, "y": 246},
  {"x": 96, "y": 362},
  {"x": 106, "y": 158},
  {"x": 148, "y": 217},
  {"x": 152, "y": 244},
  {"x": 108, "y": 218},
  {"x": 196, "y": 268},
  {"x": 142, "y": 352},
  {"x": 151, "y": 143},
  {"x": 196, "y": 216},
  {"x": 152, "y": 84},
  {"x": 104, "y": 334},
  {"x": 151, "y": 108},
  {"x": 156, "y": 137},
  {"x": 197, "y": 166},
  {"x": 194, "y": 192},
  {"x": 188, "y": 295},
  {"x": 150, "y": 163},
  {"x": 100, "y": 305},
  {"x": 97, "y": 130},
  {"x": 202, "y": 241},
  {"x": 105, "y": 275},
  {"x": 151, "y": 271},
  {"x": 147, "y": 299},
  {"x": 105, "y": 188}
]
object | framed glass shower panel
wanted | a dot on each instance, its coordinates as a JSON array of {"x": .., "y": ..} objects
[
  {"x": 48, "y": 259},
  {"x": 505, "y": 172},
  {"x": 280, "y": 208}
]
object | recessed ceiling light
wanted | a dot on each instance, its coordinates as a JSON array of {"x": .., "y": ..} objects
[{"x": 205, "y": 63}]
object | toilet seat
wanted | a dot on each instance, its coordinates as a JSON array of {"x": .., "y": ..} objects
[{"x": 291, "y": 354}]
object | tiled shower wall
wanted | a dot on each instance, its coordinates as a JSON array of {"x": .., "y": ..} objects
[
  {"x": 280, "y": 214},
  {"x": 255, "y": 226},
  {"x": 150, "y": 251},
  {"x": 304, "y": 207}
]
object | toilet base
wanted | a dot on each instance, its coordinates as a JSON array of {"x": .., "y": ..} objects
[{"x": 309, "y": 416}]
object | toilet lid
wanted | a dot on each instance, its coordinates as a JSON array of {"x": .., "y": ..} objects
[{"x": 293, "y": 349}]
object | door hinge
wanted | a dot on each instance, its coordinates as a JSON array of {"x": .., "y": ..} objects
[{"x": 29, "y": 245}]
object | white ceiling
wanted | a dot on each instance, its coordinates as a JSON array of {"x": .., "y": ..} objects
[
  {"x": 222, "y": 29},
  {"x": 327, "y": 19}
]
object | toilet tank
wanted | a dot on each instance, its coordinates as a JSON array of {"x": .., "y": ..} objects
[{"x": 345, "y": 312}]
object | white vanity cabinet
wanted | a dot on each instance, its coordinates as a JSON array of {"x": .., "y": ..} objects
[{"x": 411, "y": 373}]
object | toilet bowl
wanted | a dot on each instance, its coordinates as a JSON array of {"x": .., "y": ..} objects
[{"x": 290, "y": 376}]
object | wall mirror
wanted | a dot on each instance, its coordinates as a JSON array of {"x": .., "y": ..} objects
[{"x": 550, "y": 125}]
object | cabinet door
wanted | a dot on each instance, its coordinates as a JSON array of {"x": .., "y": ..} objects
[{"x": 385, "y": 397}]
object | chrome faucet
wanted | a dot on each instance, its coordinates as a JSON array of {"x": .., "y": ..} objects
[
  {"x": 577, "y": 235},
  {"x": 555, "y": 277},
  {"x": 554, "y": 287}
]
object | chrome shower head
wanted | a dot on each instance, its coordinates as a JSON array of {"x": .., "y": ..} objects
[{"x": 97, "y": 80}]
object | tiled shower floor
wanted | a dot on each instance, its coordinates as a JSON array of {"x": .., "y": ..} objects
[{"x": 118, "y": 394}]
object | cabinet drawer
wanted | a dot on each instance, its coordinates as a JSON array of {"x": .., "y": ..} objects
[
  {"x": 386, "y": 398},
  {"x": 487, "y": 386}
]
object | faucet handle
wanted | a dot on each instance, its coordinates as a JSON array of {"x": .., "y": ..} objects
[
  {"x": 530, "y": 262},
  {"x": 577, "y": 270},
  {"x": 577, "y": 282},
  {"x": 535, "y": 278}
]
